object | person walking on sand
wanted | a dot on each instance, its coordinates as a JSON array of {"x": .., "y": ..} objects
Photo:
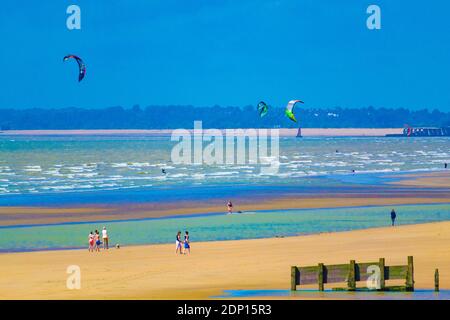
[
  {"x": 178, "y": 243},
  {"x": 97, "y": 241},
  {"x": 91, "y": 242},
  {"x": 230, "y": 207},
  {"x": 105, "y": 238},
  {"x": 393, "y": 216},
  {"x": 187, "y": 245}
]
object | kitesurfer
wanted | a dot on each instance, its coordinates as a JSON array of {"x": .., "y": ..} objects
[{"x": 81, "y": 65}]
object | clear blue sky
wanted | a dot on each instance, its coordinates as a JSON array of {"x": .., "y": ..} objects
[{"x": 236, "y": 52}]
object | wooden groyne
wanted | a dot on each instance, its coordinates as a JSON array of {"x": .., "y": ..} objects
[{"x": 375, "y": 274}]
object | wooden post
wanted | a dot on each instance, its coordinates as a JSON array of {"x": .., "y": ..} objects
[
  {"x": 294, "y": 278},
  {"x": 351, "y": 282},
  {"x": 382, "y": 275},
  {"x": 410, "y": 275},
  {"x": 320, "y": 276},
  {"x": 436, "y": 280}
]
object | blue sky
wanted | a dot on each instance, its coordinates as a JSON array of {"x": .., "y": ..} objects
[{"x": 207, "y": 52}]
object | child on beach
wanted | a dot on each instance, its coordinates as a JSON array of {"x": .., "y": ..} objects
[
  {"x": 97, "y": 241},
  {"x": 187, "y": 246},
  {"x": 91, "y": 242},
  {"x": 178, "y": 243}
]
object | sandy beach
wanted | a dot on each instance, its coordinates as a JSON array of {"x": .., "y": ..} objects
[
  {"x": 166, "y": 150},
  {"x": 155, "y": 272},
  {"x": 430, "y": 180}
]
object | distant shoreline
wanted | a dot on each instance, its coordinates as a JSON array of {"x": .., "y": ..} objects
[{"x": 284, "y": 132}]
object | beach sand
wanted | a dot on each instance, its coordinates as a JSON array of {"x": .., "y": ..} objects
[
  {"x": 155, "y": 272},
  {"x": 439, "y": 179}
]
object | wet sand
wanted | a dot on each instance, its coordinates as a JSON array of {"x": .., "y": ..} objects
[
  {"x": 418, "y": 188},
  {"x": 439, "y": 179},
  {"x": 10, "y": 216},
  {"x": 155, "y": 272}
]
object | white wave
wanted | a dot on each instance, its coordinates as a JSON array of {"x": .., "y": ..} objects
[
  {"x": 178, "y": 175},
  {"x": 198, "y": 176},
  {"x": 87, "y": 175},
  {"x": 33, "y": 168},
  {"x": 58, "y": 188},
  {"x": 108, "y": 185},
  {"x": 8, "y": 173},
  {"x": 52, "y": 172},
  {"x": 119, "y": 165},
  {"x": 301, "y": 161},
  {"x": 223, "y": 173}
]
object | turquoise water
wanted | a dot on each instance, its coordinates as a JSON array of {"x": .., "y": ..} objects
[
  {"x": 216, "y": 227},
  {"x": 58, "y": 164},
  {"x": 328, "y": 294}
]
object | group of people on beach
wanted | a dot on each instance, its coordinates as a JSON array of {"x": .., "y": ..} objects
[
  {"x": 183, "y": 247},
  {"x": 95, "y": 242}
]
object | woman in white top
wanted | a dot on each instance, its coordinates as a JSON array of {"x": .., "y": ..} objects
[{"x": 105, "y": 238}]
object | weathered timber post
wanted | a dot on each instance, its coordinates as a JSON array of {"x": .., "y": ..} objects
[
  {"x": 294, "y": 271},
  {"x": 436, "y": 280},
  {"x": 410, "y": 275},
  {"x": 382, "y": 275},
  {"x": 351, "y": 281},
  {"x": 320, "y": 271}
]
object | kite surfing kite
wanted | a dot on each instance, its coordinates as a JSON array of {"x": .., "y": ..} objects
[
  {"x": 263, "y": 108},
  {"x": 81, "y": 65},
  {"x": 290, "y": 109}
]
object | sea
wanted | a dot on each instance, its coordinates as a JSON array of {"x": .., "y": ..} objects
[
  {"x": 58, "y": 164},
  {"x": 67, "y": 171}
]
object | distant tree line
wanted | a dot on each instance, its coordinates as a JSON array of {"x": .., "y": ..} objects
[{"x": 171, "y": 117}]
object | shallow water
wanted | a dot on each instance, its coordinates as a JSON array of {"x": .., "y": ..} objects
[{"x": 217, "y": 227}]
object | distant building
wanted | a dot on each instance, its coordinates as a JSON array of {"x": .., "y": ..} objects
[{"x": 423, "y": 132}]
